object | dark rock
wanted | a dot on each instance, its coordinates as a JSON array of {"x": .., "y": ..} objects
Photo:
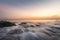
[
  {"x": 23, "y": 23},
  {"x": 32, "y": 26},
  {"x": 37, "y": 25},
  {"x": 6, "y": 24}
]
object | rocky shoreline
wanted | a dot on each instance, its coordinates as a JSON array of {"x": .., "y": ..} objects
[{"x": 30, "y": 31}]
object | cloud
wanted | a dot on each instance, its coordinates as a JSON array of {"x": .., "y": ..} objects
[
  {"x": 28, "y": 8},
  {"x": 24, "y": 2}
]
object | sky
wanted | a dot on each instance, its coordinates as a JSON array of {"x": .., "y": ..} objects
[{"x": 16, "y": 9}]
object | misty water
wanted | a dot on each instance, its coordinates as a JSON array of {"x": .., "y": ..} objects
[
  {"x": 33, "y": 20},
  {"x": 31, "y": 30}
]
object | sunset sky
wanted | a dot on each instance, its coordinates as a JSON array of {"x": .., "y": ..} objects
[{"x": 15, "y": 9}]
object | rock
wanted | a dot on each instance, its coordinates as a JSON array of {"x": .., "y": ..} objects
[
  {"x": 23, "y": 23},
  {"x": 16, "y": 31},
  {"x": 6, "y": 24}
]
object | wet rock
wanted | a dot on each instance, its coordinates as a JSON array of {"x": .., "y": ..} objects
[
  {"x": 26, "y": 30},
  {"x": 16, "y": 31},
  {"x": 6, "y": 24},
  {"x": 37, "y": 25},
  {"x": 32, "y": 26},
  {"x": 23, "y": 23},
  {"x": 9, "y": 38}
]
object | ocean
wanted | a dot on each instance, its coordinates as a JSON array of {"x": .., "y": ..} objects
[{"x": 33, "y": 20}]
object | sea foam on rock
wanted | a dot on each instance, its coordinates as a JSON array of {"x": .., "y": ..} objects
[{"x": 20, "y": 32}]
